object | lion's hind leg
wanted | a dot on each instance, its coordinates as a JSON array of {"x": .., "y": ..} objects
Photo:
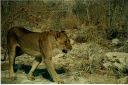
[{"x": 11, "y": 55}]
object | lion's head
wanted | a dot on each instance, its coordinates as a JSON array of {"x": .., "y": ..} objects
[{"x": 63, "y": 41}]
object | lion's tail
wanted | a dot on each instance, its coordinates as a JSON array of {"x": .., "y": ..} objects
[{"x": 5, "y": 55}]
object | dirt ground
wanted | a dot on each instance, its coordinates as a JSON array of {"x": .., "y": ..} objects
[
  {"x": 42, "y": 77},
  {"x": 68, "y": 68}
]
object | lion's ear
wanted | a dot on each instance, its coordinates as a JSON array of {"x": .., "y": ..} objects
[{"x": 58, "y": 34}]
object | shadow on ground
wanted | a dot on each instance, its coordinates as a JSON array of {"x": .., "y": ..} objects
[{"x": 43, "y": 72}]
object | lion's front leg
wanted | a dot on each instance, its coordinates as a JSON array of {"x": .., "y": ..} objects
[
  {"x": 34, "y": 66},
  {"x": 35, "y": 63},
  {"x": 46, "y": 50},
  {"x": 52, "y": 71}
]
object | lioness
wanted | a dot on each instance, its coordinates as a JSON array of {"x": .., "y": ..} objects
[{"x": 38, "y": 44}]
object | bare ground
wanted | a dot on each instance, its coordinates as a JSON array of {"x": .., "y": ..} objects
[{"x": 69, "y": 68}]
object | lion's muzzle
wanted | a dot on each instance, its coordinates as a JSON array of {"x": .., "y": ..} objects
[
  {"x": 67, "y": 49},
  {"x": 64, "y": 51}
]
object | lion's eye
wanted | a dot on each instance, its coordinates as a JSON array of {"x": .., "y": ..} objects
[{"x": 65, "y": 41}]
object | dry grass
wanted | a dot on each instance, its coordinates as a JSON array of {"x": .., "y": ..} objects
[{"x": 84, "y": 28}]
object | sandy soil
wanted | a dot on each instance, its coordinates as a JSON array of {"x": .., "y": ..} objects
[{"x": 72, "y": 76}]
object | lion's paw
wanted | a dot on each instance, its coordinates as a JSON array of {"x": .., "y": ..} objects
[{"x": 30, "y": 78}]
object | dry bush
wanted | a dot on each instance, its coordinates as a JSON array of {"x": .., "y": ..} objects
[
  {"x": 93, "y": 34},
  {"x": 89, "y": 33},
  {"x": 85, "y": 58},
  {"x": 81, "y": 39},
  {"x": 69, "y": 22}
]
